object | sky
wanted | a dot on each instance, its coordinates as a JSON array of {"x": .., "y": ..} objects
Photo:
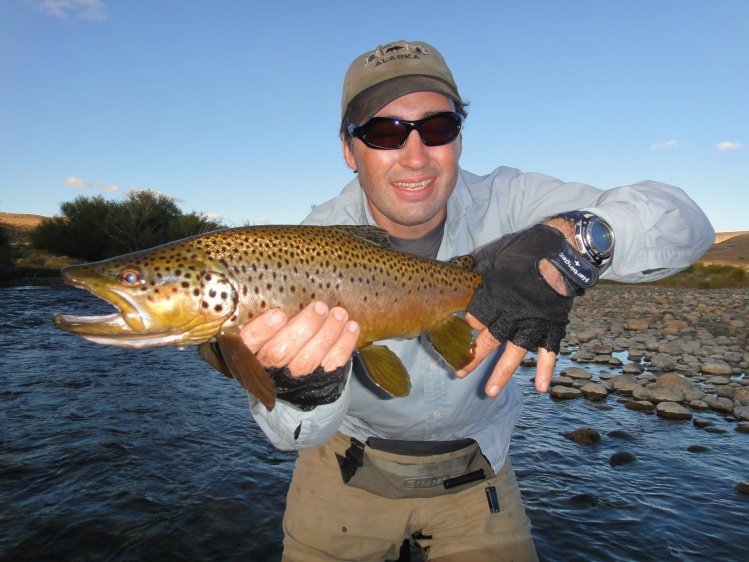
[{"x": 232, "y": 107}]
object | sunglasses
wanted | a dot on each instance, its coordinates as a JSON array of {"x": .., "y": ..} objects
[{"x": 385, "y": 133}]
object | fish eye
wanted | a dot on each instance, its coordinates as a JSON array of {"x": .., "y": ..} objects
[{"x": 131, "y": 277}]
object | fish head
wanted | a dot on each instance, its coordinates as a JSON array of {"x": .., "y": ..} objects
[{"x": 160, "y": 300}]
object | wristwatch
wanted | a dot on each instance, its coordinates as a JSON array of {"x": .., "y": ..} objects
[{"x": 594, "y": 237}]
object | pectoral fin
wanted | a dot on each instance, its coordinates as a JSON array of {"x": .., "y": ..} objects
[
  {"x": 452, "y": 338},
  {"x": 385, "y": 370},
  {"x": 244, "y": 366},
  {"x": 210, "y": 352}
]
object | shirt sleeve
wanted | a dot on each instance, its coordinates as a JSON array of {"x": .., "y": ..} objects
[
  {"x": 290, "y": 428},
  {"x": 658, "y": 229}
]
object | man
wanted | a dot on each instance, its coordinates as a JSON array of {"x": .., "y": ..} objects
[{"x": 372, "y": 470}]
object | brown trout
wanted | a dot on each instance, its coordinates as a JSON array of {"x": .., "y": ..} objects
[{"x": 203, "y": 289}]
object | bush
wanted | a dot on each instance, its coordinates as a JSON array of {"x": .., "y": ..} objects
[
  {"x": 91, "y": 228},
  {"x": 6, "y": 249}
]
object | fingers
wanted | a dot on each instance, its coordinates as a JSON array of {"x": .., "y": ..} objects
[
  {"x": 316, "y": 336},
  {"x": 485, "y": 344},
  {"x": 547, "y": 360},
  {"x": 508, "y": 363},
  {"x": 330, "y": 347}
]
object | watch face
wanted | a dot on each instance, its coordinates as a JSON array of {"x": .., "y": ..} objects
[{"x": 601, "y": 237}]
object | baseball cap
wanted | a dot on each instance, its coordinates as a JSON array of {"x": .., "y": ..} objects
[{"x": 378, "y": 77}]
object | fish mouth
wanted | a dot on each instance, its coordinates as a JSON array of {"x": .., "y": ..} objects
[{"x": 124, "y": 328}]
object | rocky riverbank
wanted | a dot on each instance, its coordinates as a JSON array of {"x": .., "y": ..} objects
[
  {"x": 678, "y": 353},
  {"x": 684, "y": 350}
]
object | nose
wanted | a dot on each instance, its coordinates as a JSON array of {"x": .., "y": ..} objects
[{"x": 414, "y": 154}]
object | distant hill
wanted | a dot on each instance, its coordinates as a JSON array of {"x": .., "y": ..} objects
[
  {"x": 18, "y": 226},
  {"x": 730, "y": 248}
]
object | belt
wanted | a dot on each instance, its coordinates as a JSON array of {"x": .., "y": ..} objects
[{"x": 413, "y": 469}]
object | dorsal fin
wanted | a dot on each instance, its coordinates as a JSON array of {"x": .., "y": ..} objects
[
  {"x": 372, "y": 234},
  {"x": 466, "y": 262}
]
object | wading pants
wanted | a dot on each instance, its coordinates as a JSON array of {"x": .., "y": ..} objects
[{"x": 326, "y": 519}]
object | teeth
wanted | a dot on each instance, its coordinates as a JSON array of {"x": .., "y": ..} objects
[{"x": 412, "y": 186}]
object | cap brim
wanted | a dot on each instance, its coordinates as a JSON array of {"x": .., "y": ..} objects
[{"x": 365, "y": 105}]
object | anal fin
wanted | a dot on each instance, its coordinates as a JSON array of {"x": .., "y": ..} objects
[
  {"x": 245, "y": 367},
  {"x": 452, "y": 338},
  {"x": 385, "y": 369}
]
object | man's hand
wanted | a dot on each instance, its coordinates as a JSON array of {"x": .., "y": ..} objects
[
  {"x": 524, "y": 302},
  {"x": 316, "y": 337},
  {"x": 509, "y": 361}
]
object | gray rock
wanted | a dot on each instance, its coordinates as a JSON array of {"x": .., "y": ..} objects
[
  {"x": 582, "y": 356},
  {"x": 564, "y": 393},
  {"x": 742, "y": 396},
  {"x": 742, "y": 427},
  {"x": 576, "y": 373},
  {"x": 714, "y": 367},
  {"x": 622, "y": 457},
  {"x": 662, "y": 362},
  {"x": 636, "y": 325},
  {"x": 584, "y": 436},
  {"x": 699, "y": 405},
  {"x": 741, "y": 413},
  {"x": 672, "y": 411},
  {"x": 640, "y": 406},
  {"x": 673, "y": 379},
  {"x": 726, "y": 391},
  {"x": 632, "y": 368},
  {"x": 594, "y": 391},
  {"x": 692, "y": 393},
  {"x": 719, "y": 404},
  {"x": 655, "y": 393}
]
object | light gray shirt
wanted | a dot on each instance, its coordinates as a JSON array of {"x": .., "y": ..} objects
[{"x": 658, "y": 229}]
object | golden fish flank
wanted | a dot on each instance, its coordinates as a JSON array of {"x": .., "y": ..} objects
[{"x": 203, "y": 289}]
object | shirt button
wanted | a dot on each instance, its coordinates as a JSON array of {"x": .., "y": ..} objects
[
  {"x": 436, "y": 413},
  {"x": 432, "y": 365}
]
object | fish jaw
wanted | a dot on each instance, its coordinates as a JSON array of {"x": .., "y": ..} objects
[{"x": 150, "y": 314}]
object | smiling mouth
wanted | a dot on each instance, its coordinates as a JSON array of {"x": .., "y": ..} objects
[{"x": 412, "y": 186}]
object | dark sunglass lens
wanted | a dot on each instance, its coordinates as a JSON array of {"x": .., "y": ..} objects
[
  {"x": 385, "y": 133},
  {"x": 440, "y": 129}
]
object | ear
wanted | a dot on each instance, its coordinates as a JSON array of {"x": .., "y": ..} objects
[{"x": 348, "y": 155}]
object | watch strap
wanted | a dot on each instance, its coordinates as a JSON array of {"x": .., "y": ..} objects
[{"x": 574, "y": 267}]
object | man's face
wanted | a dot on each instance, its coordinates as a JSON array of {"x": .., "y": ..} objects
[{"x": 408, "y": 188}]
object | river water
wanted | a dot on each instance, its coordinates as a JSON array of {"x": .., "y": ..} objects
[{"x": 116, "y": 454}]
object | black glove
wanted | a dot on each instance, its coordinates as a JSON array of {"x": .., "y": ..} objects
[
  {"x": 306, "y": 392},
  {"x": 515, "y": 302}
]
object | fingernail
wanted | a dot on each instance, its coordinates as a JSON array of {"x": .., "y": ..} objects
[
  {"x": 339, "y": 314},
  {"x": 321, "y": 308},
  {"x": 353, "y": 327},
  {"x": 543, "y": 387},
  {"x": 493, "y": 391},
  {"x": 276, "y": 318}
]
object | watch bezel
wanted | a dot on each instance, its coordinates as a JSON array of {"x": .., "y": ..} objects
[{"x": 583, "y": 222}]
